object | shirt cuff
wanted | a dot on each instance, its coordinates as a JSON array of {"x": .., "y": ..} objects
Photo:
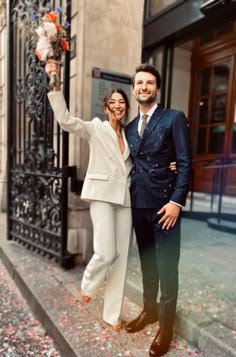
[{"x": 177, "y": 204}]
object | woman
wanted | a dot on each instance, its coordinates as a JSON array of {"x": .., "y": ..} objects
[{"x": 106, "y": 186}]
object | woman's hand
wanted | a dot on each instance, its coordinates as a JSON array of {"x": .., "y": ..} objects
[{"x": 53, "y": 69}]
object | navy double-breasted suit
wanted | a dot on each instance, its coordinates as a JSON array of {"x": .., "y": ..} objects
[{"x": 165, "y": 139}]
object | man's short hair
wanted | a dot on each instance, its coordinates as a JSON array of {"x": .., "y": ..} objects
[{"x": 144, "y": 67}]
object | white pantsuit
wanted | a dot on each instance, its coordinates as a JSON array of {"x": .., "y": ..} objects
[{"x": 106, "y": 186}]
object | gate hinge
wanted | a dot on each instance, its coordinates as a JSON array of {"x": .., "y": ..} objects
[{"x": 75, "y": 184}]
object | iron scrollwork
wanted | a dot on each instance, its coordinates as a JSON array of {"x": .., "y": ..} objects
[{"x": 36, "y": 181}]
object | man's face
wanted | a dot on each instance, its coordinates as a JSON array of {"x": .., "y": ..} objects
[{"x": 145, "y": 88}]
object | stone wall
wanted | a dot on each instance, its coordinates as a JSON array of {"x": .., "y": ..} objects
[{"x": 108, "y": 36}]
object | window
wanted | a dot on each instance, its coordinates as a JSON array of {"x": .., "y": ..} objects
[
  {"x": 157, "y": 7},
  {"x": 211, "y": 108}
]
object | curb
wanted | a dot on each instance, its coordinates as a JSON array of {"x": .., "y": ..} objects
[
  {"x": 37, "y": 307},
  {"x": 222, "y": 225}
]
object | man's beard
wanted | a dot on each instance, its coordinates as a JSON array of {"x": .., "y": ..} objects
[{"x": 147, "y": 100}]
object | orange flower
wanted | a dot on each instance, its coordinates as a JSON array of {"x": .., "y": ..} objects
[
  {"x": 51, "y": 16},
  {"x": 65, "y": 44},
  {"x": 47, "y": 17}
]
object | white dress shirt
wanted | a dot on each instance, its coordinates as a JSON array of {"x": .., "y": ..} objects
[{"x": 149, "y": 114}]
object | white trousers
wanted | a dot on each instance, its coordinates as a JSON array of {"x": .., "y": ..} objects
[{"x": 112, "y": 227}]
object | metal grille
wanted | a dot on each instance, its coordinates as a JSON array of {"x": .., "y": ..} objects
[{"x": 37, "y": 149}]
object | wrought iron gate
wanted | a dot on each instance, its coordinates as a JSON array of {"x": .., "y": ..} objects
[{"x": 37, "y": 149}]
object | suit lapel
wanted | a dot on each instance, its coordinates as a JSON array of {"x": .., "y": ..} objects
[
  {"x": 135, "y": 140},
  {"x": 155, "y": 118},
  {"x": 136, "y": 120},
  {"x": 110, "y": 130},
  {"x": 126, "y": 153}
]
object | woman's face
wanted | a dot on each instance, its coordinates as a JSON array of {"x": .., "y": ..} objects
[{"x": 116, "y": 107}]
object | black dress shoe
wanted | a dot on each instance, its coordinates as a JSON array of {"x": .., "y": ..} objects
[
  {"x": 141, "y": 321},
  {"x": 161, "y": 344}
]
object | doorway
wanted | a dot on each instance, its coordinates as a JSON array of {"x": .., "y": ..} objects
[
  {"x": 199, "y": 78},
  {"x": 212, "y": 112}
]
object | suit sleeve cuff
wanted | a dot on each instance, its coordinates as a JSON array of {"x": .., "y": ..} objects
[{"x": 176, "y": 203}]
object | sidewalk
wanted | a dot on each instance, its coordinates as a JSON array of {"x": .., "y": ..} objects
[
  {"x": 20, "y": 333},
  {"x": 206, "y": 315}
]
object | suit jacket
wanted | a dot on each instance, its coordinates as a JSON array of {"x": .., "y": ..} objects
[
  {"x": 166, "y": 138},
  {"x": 108, "y": 170}
]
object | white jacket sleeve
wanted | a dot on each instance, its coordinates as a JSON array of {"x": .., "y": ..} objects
[{"x": 74, "y": 125}]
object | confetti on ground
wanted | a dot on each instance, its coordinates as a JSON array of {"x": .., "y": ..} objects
[
  {"x": 204, "y": 280},
  {"x": 20, "y": 333}
]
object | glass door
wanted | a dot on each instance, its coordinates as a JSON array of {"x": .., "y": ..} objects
[
  {"x": 212, "y": 109},
  {"x": 213, "y": 121}
]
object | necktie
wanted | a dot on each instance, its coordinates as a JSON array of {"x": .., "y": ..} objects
[{"x": 144, "y": 123}]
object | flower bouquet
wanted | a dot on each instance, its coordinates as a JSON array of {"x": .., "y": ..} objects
[{"x": 52, "y": 43}]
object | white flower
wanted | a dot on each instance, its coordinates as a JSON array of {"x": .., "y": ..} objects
[
  {"x": 50, "y": 53},
  {"x": 50, "y": 28},
  {"x": 44, "y": 43},
  {"x": 40, "y": 31},
  {"x": 44, "y": 47}
]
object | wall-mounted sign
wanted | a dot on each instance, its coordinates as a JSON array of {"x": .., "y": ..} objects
[
  {"x": 103, "y": 81},
  {"x": 73, "y": 47}
]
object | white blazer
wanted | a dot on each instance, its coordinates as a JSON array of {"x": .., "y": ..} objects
[{"x": 107, "y": 177}]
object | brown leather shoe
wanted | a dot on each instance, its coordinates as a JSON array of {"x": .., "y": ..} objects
[
  {"x": 141, "y": 321},
  {"x": 161, "y": 344}
]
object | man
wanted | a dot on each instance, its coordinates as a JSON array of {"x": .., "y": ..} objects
[{"x": 157, "y": 137}]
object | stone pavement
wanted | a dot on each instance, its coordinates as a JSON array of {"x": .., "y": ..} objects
[
  {"x": 206, "y": 312},
  {"x": 20, "y": 333},
  {"x": 206, "y": 315}
]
